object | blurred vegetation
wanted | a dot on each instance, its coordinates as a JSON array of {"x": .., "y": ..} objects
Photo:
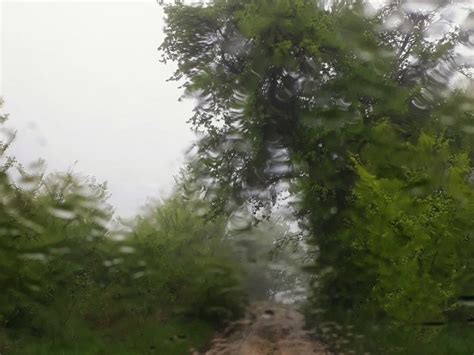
[
  {"x": 74, "y": 281},
  {"x": 362, "y": 113},
  {"x": 351, "y": 119}
]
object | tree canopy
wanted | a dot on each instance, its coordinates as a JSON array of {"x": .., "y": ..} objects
[{"x": 361, "y": 111}]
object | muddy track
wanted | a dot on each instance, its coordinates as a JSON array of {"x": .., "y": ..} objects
[{"x": 267, "y": 329}]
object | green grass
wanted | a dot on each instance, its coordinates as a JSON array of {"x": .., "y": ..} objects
[{"x": 136, "y": 336}]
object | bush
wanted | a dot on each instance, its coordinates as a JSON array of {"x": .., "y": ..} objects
[{"x": 70, "y": 285}]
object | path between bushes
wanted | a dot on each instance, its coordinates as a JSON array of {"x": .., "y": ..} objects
[{"x": 267, "y": 329}]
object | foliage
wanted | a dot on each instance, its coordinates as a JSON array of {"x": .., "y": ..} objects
[
  {"x": 73, "y": 284},
  {"x": 186, "y": 262},
  {"x": 356, "y": 108},
  {"x": 47, "y": 231},
  {"x": 406, "y": 241}
]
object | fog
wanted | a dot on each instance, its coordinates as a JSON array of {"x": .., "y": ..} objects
[{"x": 85, "y": 90}]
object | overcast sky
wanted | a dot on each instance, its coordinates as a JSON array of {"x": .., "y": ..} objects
[{"x": 82, "y": 82}]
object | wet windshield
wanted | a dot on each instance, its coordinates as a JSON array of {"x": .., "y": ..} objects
[{"x": 237, "y": 177}]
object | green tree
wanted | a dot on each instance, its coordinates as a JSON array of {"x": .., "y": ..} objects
[{"x": 295, "y": 91}]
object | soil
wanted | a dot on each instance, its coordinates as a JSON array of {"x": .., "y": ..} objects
[{"x": 267, "y": 329}]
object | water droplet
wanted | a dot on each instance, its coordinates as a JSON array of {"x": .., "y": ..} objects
[
  {"x": 62, "y": 213},
  {"x": 139, "y": 274},
  {"x": 127, "y": 249},
  {"x": 239, "y": 221},
  {"x": 35, "y": 257}
]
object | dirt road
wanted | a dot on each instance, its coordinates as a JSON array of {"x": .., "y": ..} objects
[{"x": 268, "y": 329}]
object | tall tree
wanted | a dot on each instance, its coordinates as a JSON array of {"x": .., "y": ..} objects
[{"x": 296, "y": 91}]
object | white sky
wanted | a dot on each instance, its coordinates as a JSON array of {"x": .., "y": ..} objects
[{"x": 82, "y": 82}]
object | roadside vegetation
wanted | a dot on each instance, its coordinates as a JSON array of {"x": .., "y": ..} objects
[{"x": 73, "y": 282}]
